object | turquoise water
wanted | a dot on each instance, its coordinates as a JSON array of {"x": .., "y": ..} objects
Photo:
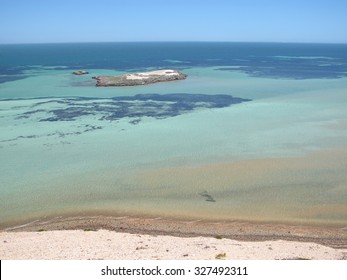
[{"x": 70, "y": 148}]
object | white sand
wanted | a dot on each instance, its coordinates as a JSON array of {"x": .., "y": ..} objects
[
  {"x": 143, "y": 75},
  {"x": 103, "y": 244}
]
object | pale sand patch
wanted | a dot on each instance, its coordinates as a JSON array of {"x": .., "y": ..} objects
[
  {"x": 143, "y": 75},
  {"x": 307, "y": 189},
  {"x": 103, "y": 244},
  {"x": 254, "y": 173}
]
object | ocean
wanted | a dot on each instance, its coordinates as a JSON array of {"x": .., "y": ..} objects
[{"x": 257, "y": 132}]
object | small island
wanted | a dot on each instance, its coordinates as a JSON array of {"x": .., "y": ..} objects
[
  {"x": 142, "y": 78},
  {"x": 80, "y": 72}
]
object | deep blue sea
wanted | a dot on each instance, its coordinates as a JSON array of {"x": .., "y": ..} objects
[
  {"x": 257, "y": 132},
  {"x": 275, "y": 60}
]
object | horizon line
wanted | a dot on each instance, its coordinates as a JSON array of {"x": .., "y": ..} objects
[{"x": 183, "y": 41}]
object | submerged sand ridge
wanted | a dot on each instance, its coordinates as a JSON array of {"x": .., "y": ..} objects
[
  {"x": 141, "y": 78},
  {"x": 310, "y": 189}
]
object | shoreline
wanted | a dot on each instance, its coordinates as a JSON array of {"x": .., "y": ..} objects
[
  {"x": 256, "y": 231},
  {"x": 155, "y": 238}
]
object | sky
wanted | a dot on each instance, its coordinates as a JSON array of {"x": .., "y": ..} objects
[{"x": 57, "y": 21}]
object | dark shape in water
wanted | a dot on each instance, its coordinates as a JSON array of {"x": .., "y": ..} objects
[
  {"x": 80, "y": 72},
  {"x": 142, "y": 105},
  {"x": 296, "y": 68},
  {"x": 208, "y": 197},
  {"x": 135, "y": 121},
  {"x": 67, "y": 114}
]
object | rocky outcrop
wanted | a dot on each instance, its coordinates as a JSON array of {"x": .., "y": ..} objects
[
  {"x": 80, "y": 72},
  {"x": 142, "y": 78}
]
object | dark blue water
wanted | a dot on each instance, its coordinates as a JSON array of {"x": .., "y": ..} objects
[{"x": 274, "y": 60}]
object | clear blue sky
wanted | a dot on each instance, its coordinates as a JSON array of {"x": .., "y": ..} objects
[{"x": 44, "y": 21}]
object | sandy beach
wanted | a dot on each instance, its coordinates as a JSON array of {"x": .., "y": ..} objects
[
  {"x": 133, "y": 238},
  {"x": 103, "y": 244}
]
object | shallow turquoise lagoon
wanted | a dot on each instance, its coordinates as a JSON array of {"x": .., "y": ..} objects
[{"x": 280, "y": 156}]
